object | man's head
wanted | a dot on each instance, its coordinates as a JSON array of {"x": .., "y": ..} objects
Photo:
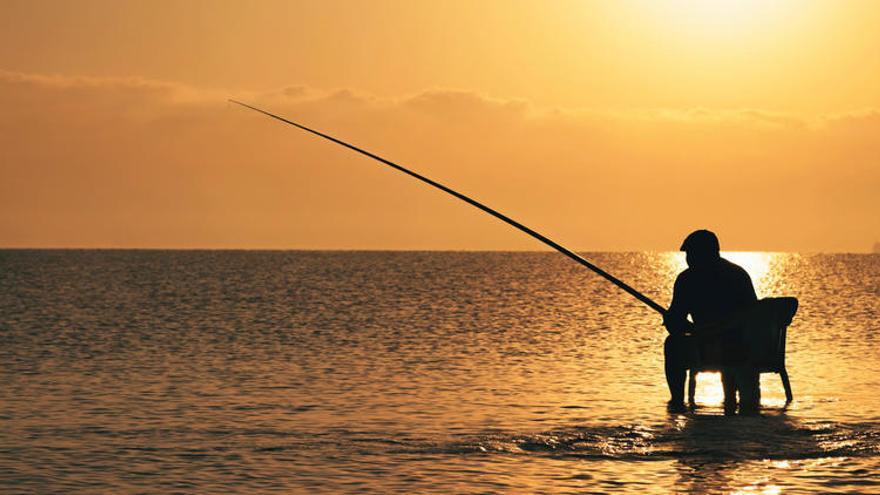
[{"x": 702, "y": 248}]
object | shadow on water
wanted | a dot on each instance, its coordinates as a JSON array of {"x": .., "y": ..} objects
[
  {"x": 704, "y": 451},
  {"x": 717, "y": 453},
  {"x": 694, "y": 440},
  {"x": 713, "y": 436},
  {"x": 712, "y": 451}
]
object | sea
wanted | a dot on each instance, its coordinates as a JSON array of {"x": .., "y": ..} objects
[{"x": 251, "y": 372}]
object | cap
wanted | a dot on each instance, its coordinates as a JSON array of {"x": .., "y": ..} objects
[{"x": 701, "y": 240}]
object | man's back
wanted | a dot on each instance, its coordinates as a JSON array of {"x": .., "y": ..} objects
[{"x": 711, "y": 293}]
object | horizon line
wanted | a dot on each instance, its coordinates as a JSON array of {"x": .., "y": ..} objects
[{"x": 399, "y": 250}]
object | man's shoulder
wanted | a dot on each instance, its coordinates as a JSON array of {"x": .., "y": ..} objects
[
  {"x": 735, "y": 269},
  {"x": 728, "y": 269},
  {"x": 683, "y": 277}
]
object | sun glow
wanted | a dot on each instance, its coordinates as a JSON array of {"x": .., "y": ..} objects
[
  {"x": 719, "y": 16},
  {"x": 727, "y": 36}
]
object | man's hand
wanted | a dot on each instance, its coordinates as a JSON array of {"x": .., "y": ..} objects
[{"x": 677, "y": 325}]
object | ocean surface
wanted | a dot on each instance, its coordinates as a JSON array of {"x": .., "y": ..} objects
[{"x": 222, "y": 372}]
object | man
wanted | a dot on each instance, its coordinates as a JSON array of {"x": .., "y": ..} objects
[{"x": 710, "y": 290}]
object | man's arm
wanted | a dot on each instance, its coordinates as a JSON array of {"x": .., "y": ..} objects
[
  {"x": 675, "y": 320},
  {"x": 746, "y": 293}
]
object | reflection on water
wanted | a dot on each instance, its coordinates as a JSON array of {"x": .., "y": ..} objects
[
  {"x": 310, "y": 372},
  {"x": 709, "y": 390},
  {"x": 772, "y": 437}
]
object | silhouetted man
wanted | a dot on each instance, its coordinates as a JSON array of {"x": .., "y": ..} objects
[{"x": 710, "y": 290}]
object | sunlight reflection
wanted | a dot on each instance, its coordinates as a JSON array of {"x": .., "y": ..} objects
[
  {"x": 709, "y": 390},
  {"x": 774, "y": 402},
  {"x": 758, "y": 490}
]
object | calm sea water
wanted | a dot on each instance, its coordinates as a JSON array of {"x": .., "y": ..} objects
[{"x": 412, "y": 372}]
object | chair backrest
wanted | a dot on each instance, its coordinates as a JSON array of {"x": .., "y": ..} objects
[
  {"x": 764, "y": 327},
  {"x": 766, "y": 330},
  {"x": 774, "y": 359}
]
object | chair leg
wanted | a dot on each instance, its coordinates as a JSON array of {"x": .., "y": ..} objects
[
  {"x": 692, "y": 387},
  {"x": 786, "y": 385}
]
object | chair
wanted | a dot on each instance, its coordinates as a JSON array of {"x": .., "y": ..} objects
[{"x": 764, "y": 326}]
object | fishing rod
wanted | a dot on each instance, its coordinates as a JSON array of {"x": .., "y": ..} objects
[{"x": 504, "y": 218}]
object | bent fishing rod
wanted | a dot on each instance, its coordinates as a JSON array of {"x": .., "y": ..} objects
[{"x": 504, "y": 218}]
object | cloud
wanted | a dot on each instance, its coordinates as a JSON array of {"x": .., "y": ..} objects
[
  {"x": 137, "y": 162},
  {"x": 440, "y": 102},
  {"x": 862, "y": 121},
  {"x": 107, "y": 85}
]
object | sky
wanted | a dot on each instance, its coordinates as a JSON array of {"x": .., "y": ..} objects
[{"x": 605, "y": 125}]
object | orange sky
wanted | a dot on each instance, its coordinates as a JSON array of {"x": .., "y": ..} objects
[{"x": 606, "y": 125}]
